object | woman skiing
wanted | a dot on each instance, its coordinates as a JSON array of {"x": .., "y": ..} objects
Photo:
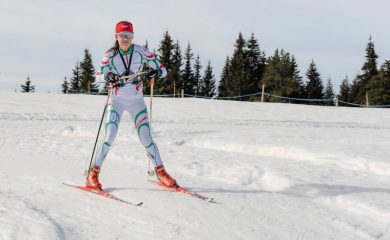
[{"x": 125, "y": 59}]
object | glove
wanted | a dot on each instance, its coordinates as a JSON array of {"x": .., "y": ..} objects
[
  {"x": 152, "y": 73},
  {"x": 112, "y": 77}
]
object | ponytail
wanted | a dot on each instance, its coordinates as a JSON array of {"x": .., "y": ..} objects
[{"x": 114, "y": 49}]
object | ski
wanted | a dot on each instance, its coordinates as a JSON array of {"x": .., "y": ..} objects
[
  {"x": 102, "y": 193},
  {"x": 185, "y": 191}
]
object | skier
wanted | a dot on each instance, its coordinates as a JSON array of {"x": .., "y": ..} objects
[{"x": 124, "y": 59}]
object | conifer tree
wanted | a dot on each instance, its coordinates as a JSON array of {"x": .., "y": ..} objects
[
  {"x": 75, "y": 81},
  {"x": 314, "y": 86},
  {"x": 345, "y": 91},
  {"x": 208, "y": 86},
  {"x": 27, "y": 86},
  {"x": 198, "y": 81},
  {"x": 297, "y": 79},
  {"x": 329, "y": 93},
  {"x": 188, "y": 74},
  {"x": 176, "y": 72},
  {"x": 369, "y": 70},
  {"x": 271, "y": 78},
  {"x": 65, "y": 86},
  {"x": 222, "y": 92},
  {"x": 88, "y": 79},
  {"x": 379, "y": 86},
  {"x": 236, "y": 81},
  {"x": 254, "y": 66},
  {"x": 286, "y": 68},
  {"x": 164, "y": 86},
  {"x": 279, "y": 78}
]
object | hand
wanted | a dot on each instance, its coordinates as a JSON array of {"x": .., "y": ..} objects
[
  {"x": 152, "y": 73},
  {"x": 112, "y": 77}
]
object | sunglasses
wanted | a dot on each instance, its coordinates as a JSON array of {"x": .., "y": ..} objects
[{"x": 127, "y": 35}]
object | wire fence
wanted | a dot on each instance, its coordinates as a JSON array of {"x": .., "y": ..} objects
[{"x": 332, "y": 101}]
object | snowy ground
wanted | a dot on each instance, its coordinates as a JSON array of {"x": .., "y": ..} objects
[{"x": 279, "y": 171}]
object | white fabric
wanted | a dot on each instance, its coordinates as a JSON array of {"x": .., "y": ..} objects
[
  {"x": 115, "y": 65},
  {"x": 139, "y": 116},
  {"x": 129, "y": 98}
]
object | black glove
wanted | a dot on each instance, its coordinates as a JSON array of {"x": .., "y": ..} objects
[
  {"x": 112, "y": 77},
  {"x": 152, "y": 73}
]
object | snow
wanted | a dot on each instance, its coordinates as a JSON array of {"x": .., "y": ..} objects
[{"x": 278, "y": 171}]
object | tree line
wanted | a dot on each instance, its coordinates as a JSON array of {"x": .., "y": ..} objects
[
  {"x": 246, "y": 72},
  {"x": 83, "y": 78}
]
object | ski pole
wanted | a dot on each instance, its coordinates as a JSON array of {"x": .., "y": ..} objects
[
  {"x": 150, "y": 113},
  {"x": 151, "y": 102},
  {"x": 100, "y": 125}
]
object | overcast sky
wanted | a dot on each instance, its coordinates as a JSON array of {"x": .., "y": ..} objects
[{"x": 45, "y": 38}]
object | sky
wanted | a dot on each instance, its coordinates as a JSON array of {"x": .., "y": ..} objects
[{"x": 43, "y": 39}]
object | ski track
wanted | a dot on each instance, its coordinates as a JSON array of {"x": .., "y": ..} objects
[{"x": 275, "y": 177}]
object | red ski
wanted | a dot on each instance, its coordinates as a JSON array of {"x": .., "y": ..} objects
[
  {"x": 185, "y": 191},
  {"x": 102, "y": 193}
]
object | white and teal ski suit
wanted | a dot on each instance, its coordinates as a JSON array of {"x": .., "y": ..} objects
[{"x": 128, "y": 98}]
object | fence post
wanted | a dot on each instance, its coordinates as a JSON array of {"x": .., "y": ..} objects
[
  {"x": 182, "y": 93},
  {"x": 262, "y": 93},
  {"x": 336, "y": 101},
  {"x": 367, "y": 103}
]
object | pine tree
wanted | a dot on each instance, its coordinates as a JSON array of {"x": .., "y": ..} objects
[
  {"x": 88, "y": 79},
  {"x": 370, "y": 66},
  {"x": 271, "y": 78},
  {"x": 235, "y": 84},
  {"x": 176, "y": 72},
  {"x": 329, "y": 93},
  {"x": 208, "y": 86},
  {"x": 65, "y": 86},
  {"x": 345, "y": 91},
  {"x": 286, "y": 68},
  {"x": 254, "y": 66},
  {"x": 297, "y": 79},
  {"x": 75, "y": 81},
  {"x": 164, "y": 86},
  {"x": 360, "y": 85},
  {"x": 379, "y": 86},
  {"x": 188, "y": 75},
  {"x": 27, "y": 86},
  {"x": 314, "y": 86},
  {"x": 197, "y": 76},
  {"x": 165, "y": 50},
  {"x": 279, "y": 78},
  {"x": 222, "y": 92}
]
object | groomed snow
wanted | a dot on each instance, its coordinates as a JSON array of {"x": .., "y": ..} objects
[{"x": 278, "y": 171}]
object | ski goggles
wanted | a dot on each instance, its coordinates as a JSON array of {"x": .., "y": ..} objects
[{"x": 127, "y": 35}]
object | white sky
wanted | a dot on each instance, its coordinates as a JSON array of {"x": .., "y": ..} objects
[{"x": 45, "y": 38}]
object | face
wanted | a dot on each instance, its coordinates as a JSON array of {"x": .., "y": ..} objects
[{"x": 124, "y": 39}]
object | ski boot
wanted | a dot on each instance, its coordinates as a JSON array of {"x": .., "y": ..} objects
[
  {"x": 93, "y": 178},
  {"x": 164, "y": 177}
]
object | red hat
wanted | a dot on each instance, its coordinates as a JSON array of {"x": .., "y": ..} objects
[{"x": 124, "y": 26}]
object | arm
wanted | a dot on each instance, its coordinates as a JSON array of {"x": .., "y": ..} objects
[
  {"x": 154, "y": 63},
  {"x": 105, "y": 69}
]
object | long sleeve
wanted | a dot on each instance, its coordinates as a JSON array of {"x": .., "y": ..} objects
[{"x": 154, "y": 63}]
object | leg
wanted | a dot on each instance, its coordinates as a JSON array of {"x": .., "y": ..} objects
[
  {"x": 140, "y": 116},
  {"x": 114, "y": 114},
  {"x": 139, "y": 113}
]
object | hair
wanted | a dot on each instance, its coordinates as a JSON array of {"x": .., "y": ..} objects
[{"x": 114, "y": 49}]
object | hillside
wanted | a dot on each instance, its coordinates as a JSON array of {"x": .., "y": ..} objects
[{"x": 278, "y": 171}]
